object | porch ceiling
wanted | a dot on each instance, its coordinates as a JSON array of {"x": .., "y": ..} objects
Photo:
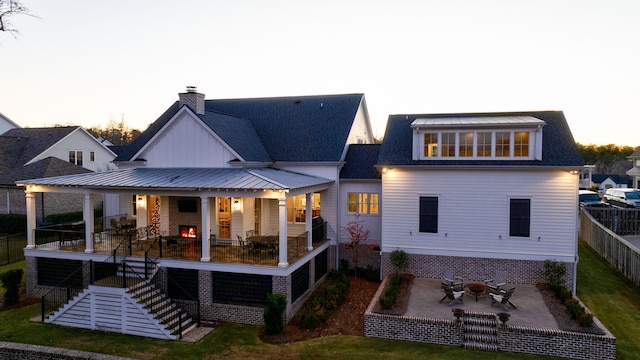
[{"x": 185, "y": 179}]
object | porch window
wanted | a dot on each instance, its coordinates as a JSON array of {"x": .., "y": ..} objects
[
  {"x": 519, "y": 217},
  {"x": 297, "y": 207},
  {"x": 75, "y": 157},
  {"x": 428, "y": 214},
  {"x": 362, "y": 203}
]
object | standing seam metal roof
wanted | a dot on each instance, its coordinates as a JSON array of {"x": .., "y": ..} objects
[{"x": 187, "y": 178}]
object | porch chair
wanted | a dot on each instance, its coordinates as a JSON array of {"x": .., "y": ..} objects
[
  {"x": 503, "y": 298},
  {"x": 449, "y": 279},
  {"x": 142, "y": 233},
  {"x": 451, "y": 294},
  {"x": 494, "y": 285},
  {"x": 114, "y": 225},
  {"x": 252, "y": 233}
]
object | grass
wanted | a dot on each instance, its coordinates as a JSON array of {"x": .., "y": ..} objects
[{"x": 614, "y": 300}]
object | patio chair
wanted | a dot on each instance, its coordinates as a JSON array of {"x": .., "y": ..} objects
[
  {"x": 494, "y": 285},
  {"x": 449, "y": 279},
  {"x": 451, "y": 294},
  {"x": 503, "y": 298},
  {"x": 252, "y": 233},
  {"x": 115, "y": 225}
]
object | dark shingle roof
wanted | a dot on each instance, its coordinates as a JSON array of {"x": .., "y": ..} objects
[
  {"x": 27, "y": 143},
  {"x": 300, "y": 128},
  {"x": 360, "y": 162},
  {"x": 558, "y": 148},
  {"x": 47, "y": 167},
  {"x": 599, "y": 178}
]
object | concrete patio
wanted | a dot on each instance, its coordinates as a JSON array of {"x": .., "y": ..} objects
[{"x": 531, "y": 311}]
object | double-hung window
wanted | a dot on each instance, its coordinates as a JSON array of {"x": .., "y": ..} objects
[
  {"x": 362, "y": 203},
  {"x": 75, "y": 157},
  {"x": 520, "y": 217},
  {"x": 428, "y": 214}
]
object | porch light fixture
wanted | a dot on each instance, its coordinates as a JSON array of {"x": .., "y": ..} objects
[{"x": 236, "y": 205}]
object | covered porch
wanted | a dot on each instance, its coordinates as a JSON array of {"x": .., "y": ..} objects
[{"x": 247, "y": 216}]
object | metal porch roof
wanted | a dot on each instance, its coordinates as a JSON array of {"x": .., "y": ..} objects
[{"x": 185, "y": 179}]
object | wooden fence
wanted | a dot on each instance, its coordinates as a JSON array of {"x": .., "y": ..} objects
[
  {"x": 612, "y": 247},
  {"x": 620, "y": 221}
]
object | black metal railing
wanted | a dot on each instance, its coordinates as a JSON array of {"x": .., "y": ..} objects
[
  {"x": 12, "y": 248},
  {"x": 60, "y": 239},
  {"x": 318, "y": 230}
]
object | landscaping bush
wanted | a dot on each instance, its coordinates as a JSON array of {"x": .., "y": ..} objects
[
  {"x": 273, "y": 311},
  {"x": 399, "y": 260},
  {"x": 13, "y": 224},
  {"x": 388, "y": 299},
  {"x": 327, "y": 298},
  {"x": 11, "y": 281},
  {"x": 554, "y": 272},
  {"x": 585, "y": 320}
]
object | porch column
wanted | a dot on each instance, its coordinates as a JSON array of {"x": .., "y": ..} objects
[
  {"x": 206, "y": 229},
  {"x": 282, "y": 216},
  {"x": 31, "y": 219},
  {"x": 308, "y": 221},
  {"x": 88, "y": 222}
]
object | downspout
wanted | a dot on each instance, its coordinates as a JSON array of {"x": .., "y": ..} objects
[{"x": 338, "y": 214}]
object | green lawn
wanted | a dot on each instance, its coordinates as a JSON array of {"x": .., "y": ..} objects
[{"x": 613, "y": 300}]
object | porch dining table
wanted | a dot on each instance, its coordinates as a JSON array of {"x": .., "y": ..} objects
[{"x": 263, "y": 242}]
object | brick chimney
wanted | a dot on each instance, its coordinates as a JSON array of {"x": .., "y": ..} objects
[{"x": 193, "y": 99}]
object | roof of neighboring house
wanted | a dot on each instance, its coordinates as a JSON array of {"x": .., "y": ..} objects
[
  {"x": 292, "y": 129},
  {"x": 188, "y": 179},
  {"x": 558, "y": 148},
  {"x": 635, "y": 154},
  {"x": 47, "y": 167},
  {"x": 360, "y": 162},
  {"x": 27, "y": 143},
  {"x": 599, "y": 178}
]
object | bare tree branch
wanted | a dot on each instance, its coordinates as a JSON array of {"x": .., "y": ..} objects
[{"x": 8, "y": 9}]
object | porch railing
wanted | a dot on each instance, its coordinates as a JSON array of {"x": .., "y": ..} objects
[{"x": 58, "y": 238}]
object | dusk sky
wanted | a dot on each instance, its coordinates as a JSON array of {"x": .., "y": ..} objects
[{"x": 89, "y": 62}]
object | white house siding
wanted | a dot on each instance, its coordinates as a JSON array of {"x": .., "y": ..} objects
[
  {"x": 80, "y": 140},
  {"x": 474, "y": 213},
  {"x": 186, "y": 143},
  {"x": 328, "y": 198}
]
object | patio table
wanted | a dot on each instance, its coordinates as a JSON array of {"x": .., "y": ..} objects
[{"x": 476, "y": 289}]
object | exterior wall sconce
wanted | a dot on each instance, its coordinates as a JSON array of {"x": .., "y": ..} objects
[
  {"x": 236, "y": 205},
  {"x": 140, "y": 201}
]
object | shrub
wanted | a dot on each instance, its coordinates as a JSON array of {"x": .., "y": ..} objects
[
  {"x": 11, "y": 281},
  {"x": 554, "y": 272},
  {"x": 273, "y": 311},
  {"x": 399, "y": 260},
  {"x": 343, "y": 265},
  {"x": 388, "y": 299},
  {"x": 13, "y": 224},
  {"x": 585, "y": 320},
  {"x": 327, "y": 297}
]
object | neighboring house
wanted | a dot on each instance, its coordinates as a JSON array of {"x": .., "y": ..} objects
[
  {"x": 634, "y": 172},
  {"x": 29, "y": 153},
  {"x": 480, "y": 193},
  {"x": 207, "y": 172},
  {"x": 6, "y": 124},
  {"x": 606, "y": 181}
]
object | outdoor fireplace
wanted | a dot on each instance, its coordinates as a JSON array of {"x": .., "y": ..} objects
[{"x": 188, "y": 231}]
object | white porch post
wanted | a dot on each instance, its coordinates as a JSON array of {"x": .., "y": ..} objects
[
  {"x": 88, "y": 222},
  {"x": 282, "y": 216},
  {"x": 31, "y": 219},
  {"x": 206, "y": 229},
  {"x": 308, "y": 220}
]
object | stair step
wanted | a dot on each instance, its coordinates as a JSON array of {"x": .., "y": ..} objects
[
  {"x": 480, "y": 338},
  {"x": 480, "y": 346},
  {"x": 480, "y": 321},
  {"x": 480, "y": 329}
]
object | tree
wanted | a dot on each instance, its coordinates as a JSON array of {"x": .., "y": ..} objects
[
  {"x": 8, "y": 9},
  {"x": 608, "y": 159},
  {"x": 357, "y": 235},
  {"x": 116, "y": 132}
]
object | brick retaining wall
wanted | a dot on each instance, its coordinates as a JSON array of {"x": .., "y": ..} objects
[
  {"x": 518, "y": 339},
  {"x": 16, "y": 351}
]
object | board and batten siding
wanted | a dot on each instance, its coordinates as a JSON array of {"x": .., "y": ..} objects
[
  {"x": 186, "y": 143},
  {"x": 473, "y": 213}
]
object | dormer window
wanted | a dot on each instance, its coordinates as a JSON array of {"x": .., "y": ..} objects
[{"x": 497, "y": 138}]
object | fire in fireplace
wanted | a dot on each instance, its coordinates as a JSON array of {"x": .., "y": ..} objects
[{"x": 188, "y": 231}]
